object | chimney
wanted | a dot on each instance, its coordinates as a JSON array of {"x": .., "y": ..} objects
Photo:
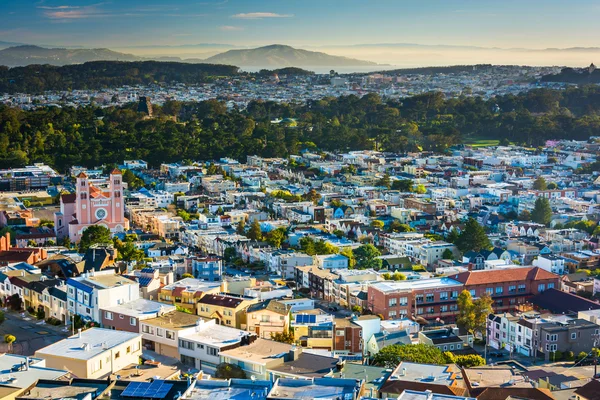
[{"x": 27, "y": 360}]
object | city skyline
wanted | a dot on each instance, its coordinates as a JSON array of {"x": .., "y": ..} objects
[{"x": 88, "y": 23}]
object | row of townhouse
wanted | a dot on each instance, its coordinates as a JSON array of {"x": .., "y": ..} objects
[{"x": 534, "y": 334}]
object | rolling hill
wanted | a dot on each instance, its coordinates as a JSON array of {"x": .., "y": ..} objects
[
  {"x": 27, "y": 55},
  {"x": 283, "y": 56}
]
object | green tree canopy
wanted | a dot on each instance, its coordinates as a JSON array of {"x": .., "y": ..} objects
[
  {"x": 391, "y": 356},
  {"x": 366, "y": 257},
  {"x": 473, "y": 237},
  {"x": 255, "y": 233},
  {"x": 542, "y": 212},
  {"x": 229, "y": 371},
  {"x": 540, "y": 184},
  {"x": 95, "y": 234}
]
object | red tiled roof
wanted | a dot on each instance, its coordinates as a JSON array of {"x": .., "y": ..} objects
[
  {"x": 68, "y": 198},
  {"x": 178, "y": 290},
  {"x": 82, "y": 175},
  {"x": 116, "y": 171},
  {"x": 504, "y": 275}
]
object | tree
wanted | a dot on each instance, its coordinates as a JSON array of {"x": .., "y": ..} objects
[
  {"x": 229, "y": 254},
  {"x": 473, "y": 237},
  {"x": 448, "y": 255},
  {"x": 254, "y": 233},
  {"x": 542, "y": 212},
  {"x": 552, "y": 186},
  {"x": 377, "y": 224},
  {"x": 403, "y": 185},
  {"x": 525, "y": 216},
  {"x": 366, "y": 257},
  {"x": 95, "y": 234},
  {"x": 283, "y": 337},
  {"x": 229, "y": 371},
  {"x": 127, "y": 251},
  {"x": 452, "y": 236},
  {"x": 312, "y": 195},
  {"x": 276, "y": 237},
  {"x": 15, "y": 302},
  {"x": 540, "y": 184},
  {"x": 9, "y": 339},
  {"x": 391, "y": 356},
  {"x": 473, "y": 314},
  {"x": 347, "y": 252},
  {"x": 384, "y": 181},
  {"x": 357, "y": 309},
  {"x": 421, "y": 189},
  {"x": 397, "y": 226},
  {"x": 466, "y": 311},
  {"x": 187, "y": 275},
  {"x": 241, "y": 227},
  {"x": 464, "y": 361}
]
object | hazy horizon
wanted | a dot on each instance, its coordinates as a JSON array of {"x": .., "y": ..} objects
[{"x": 493, "y": 32}]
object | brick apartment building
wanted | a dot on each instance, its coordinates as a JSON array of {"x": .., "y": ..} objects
[{"x": 436, "y": 298}]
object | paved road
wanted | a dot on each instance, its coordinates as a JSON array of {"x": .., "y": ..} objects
[{"x": 30, "y": 336}]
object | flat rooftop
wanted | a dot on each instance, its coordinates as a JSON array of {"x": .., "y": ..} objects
[
  {"x": 140, "y": 308},
  {"x": 242, "y": 389},
  {"x": 97, "y": 339},
  {"x": 175, "y": 320},
  {"x": 210, "y": 333},
  {"x": 65, "y": 390},
  {"x": 319, "y": 388},
  {"x": 260, "y": 351},
  {"x": 416, "y": 284},
  {"x": 13, "y": 372}
]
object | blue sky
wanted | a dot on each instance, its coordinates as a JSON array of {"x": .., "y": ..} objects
[{"x": 119, "y": 23}]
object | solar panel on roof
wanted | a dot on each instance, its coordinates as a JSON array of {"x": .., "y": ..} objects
[
  {"x": 147, "y": 390},
  {"x": 312, "y": 319}
]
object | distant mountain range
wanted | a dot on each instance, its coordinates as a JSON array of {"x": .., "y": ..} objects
[
  {"x": 283, "y": 56},
  {"x": 27, "y": 55},
  {"x": 275, "y": 56}
]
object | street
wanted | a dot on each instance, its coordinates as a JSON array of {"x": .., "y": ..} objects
[{"x": 30, "y": 334}]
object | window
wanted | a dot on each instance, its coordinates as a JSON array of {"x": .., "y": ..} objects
[
  {"x": 212, "y": 351},
  {"x": 132, "y": 321},
  {"x": 159, "y": 332},
  {"x": 419, "y": 298},
  {"x": 455, "y": 294},
  {"x": 444, "y": 308},
  {"x": 451, "y": 347},
  {"x": 87, "y": 310},
  {"x": 200, "y": 346},
  {"x": 117, "y": 354},
  {"x": 521, "y": 288},
  {"x": 574, "y": 335},
  {"x": 512, "y": 289},
  {"x": 430, "y": 298},
  {"x": 551, "y": 286},
  {"x": 339, "y": 332},
  {"x": 489, "y": 291},
  {"x": 403, "y": 301},
  {"x": 392, "y": 314},
  {"x": 499, "y": 289},
  {"x": 108, "y": 315},
  {"x": 186, "y": 344},
  {"x": 541, "y": 287},
  {"x": 121, "y": 316},
  {"x": 443, "y": 296},
  {"x": 393, "y": 302},
  {"x": 149, "y": 329},
  {"x": 86, "y": 298},
  {"x": 128, "y": 349},
  {"x": 170, "y": 335},
  {"x": 472, "y": 291}
]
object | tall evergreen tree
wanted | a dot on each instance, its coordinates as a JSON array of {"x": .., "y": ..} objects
[
  {"x": 255, "y": 233},
  {"x": 473, "y": 237},
  {"x": 542, "y": 212},
  {"x": 540, "y": 184}
]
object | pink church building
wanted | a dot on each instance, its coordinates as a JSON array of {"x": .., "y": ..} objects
[{"x": 91, "y": 205}]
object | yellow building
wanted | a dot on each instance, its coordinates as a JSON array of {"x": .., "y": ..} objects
[
  {"x": 187, "y": 292},
  {"x": 267, "y": 317},
  {"x": 226, "y": 309},
  {"x": 313, "y": 329}
]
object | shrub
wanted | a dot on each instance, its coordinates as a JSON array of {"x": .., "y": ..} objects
[
  {"x": 569, "y": 356},
  {"x": 557, "y": 356},
  {"x": 581, "y": 356},
  {"x": 357, "y": 309}
]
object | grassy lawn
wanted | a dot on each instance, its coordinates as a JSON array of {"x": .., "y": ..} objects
[{"x": 475, "y": 142}]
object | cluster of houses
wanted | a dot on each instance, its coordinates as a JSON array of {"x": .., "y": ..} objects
[{"x": 208, "y": 292}]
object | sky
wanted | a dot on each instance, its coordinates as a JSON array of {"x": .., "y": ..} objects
[{"x": 122, "y": 23}]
